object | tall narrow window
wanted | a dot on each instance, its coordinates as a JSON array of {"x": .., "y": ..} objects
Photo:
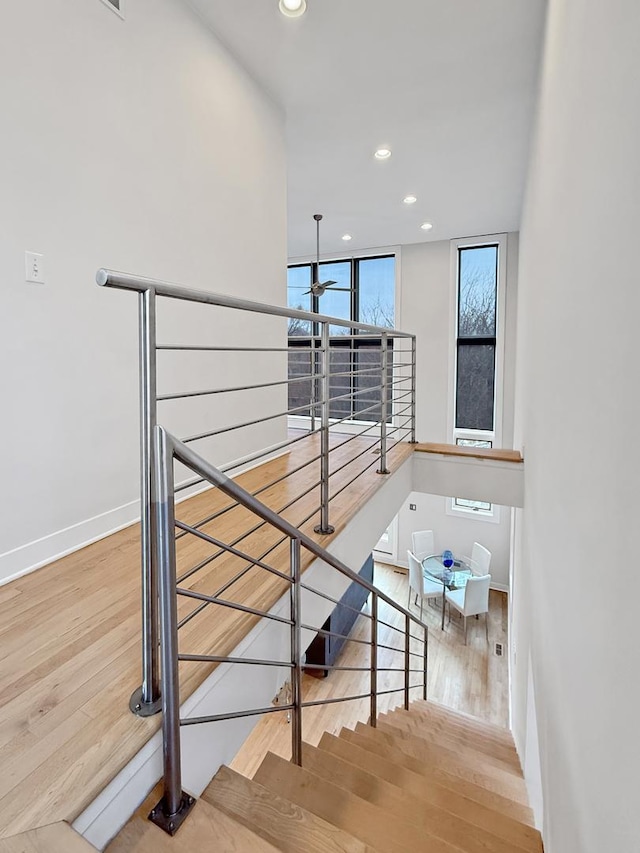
[{"x": 476, "y": 338}]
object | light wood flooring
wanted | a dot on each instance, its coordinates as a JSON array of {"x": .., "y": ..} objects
[
  {"x": 471, "y": 678},
  {"x": 70, "y": 634}
]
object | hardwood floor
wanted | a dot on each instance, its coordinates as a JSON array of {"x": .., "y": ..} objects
[
  {"x": 70, "y": 633},
  {"x": 467, "y": 678}
]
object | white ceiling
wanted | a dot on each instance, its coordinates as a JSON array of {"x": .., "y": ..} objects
[{"x": 448, "y": 85}]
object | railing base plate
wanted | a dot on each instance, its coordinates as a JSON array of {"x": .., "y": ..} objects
[
  {"x": 172, "y": 823},
  {"x": 324, "y": 530},
  {"x": 143, "y": 709},
  {"x": 383, "y": 471}
]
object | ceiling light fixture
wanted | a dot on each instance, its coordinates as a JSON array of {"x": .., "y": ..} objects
[
  {"x": 293, "y": 8},
  {"x": 346, "y": 236},
  {"x": 382, "y": 154},
  {"x": 409, "y": 199},
  {"x": 426, "y": 226}
]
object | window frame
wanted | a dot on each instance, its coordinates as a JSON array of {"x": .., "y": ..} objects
[
  {"x": 455, "y": 433},
  {"x": 352, "y": 257}
]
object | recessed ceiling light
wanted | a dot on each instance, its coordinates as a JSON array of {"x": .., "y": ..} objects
[
  {"x": 346, "y": 236},
  {"x": 293, "y": 8},
  {"x": 409, "y": 199},
  {"x": 426, "y": 226},
  {"x": 382, "y": 154}
]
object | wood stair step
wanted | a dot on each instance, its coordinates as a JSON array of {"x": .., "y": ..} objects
[
  {"x": 54, "y": 838},
  {"x": 462, "y": 719},
  {"x": 520, "y": 835},
  {"x": 281, "y": 822},
  {"x": 405, "y": 806},
  {"x": 409, "y": 723},
  {"x": 462, "y": 785},
  {"x": 373, "y": 824},
  {"x": 206, "y": 828},
  {"x": 455, "y": 729},
  {"x": 499, "y": 781}
]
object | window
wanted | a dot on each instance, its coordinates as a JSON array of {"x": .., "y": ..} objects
[
  {"x": 476, "y": 338},
  {"x": 477, "y": 393},
  {"x": 368, "y": 297}
]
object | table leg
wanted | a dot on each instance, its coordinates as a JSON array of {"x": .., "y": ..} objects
[{"x": 444, "y": 603}]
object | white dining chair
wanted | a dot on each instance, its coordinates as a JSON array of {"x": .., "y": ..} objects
[
  {"x": 421, "y": 586},
  {"x": 422, "y": 543},
  {"x": 471, "y": 600},
  {"x": 479, "y": 561}
]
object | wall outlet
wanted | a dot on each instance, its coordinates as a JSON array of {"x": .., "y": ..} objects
[
  {"x": 412, "y": 507},
  {"x": 34, "y": 267}
]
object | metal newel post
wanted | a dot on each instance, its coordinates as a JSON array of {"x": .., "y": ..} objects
[
  {"x": 174, "y": 805},
  {"x": 425, "y": 659},
  {"x": 145, "y": 700},
  {"x": 407, "y": 660},
  {"x": 296, "y": 655},
  {"x": 324, "y": 526},
  {"x": 413, "y": 389},
  {"x": 384, "y": 403},
  {"x": 373, "y": 716}
]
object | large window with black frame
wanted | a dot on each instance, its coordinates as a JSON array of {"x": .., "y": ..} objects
[{"x": 366, "y": 295}]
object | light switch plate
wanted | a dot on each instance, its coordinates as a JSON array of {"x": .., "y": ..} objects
[
  {"x": 412, "y": 506},
  {"x": 34, "y": 267}
]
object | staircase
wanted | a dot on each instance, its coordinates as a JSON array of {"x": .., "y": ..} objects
[{"x": 427, "y": 779}]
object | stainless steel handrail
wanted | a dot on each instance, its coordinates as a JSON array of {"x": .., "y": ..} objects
[
  {"x": 318, "y": 351},
  {"x": 175, "y": 804}
]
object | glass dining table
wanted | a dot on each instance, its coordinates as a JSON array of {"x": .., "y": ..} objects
[{"x": 452, "y": 578}]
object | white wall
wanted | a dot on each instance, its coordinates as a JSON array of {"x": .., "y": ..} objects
[
  {"x": 577, "y": 584},
  {"x": 427, "y": 308},
  {"x": 140, "y": 145}
]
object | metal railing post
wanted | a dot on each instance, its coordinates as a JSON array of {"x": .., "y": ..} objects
[
  {"x": 425, "y": 659},
  {"x": 174, "y": 805},
  {"x": 413, "y": 390},
  {"x": 296, "y": 655},
  {"x": 312, "y": 371},
  {"x": 373, "y": 715},
  {"x": 384, "y": 403},
  {"x": 324, "y": 526},
  {"x": 407, "y": 660},
  {"x": 145, "y": 700}
]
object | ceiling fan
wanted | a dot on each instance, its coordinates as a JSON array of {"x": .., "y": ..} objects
[{"x": 319, "y": 287}]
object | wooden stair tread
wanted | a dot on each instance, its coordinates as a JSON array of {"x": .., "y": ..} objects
[
  {"x": 466, "y": 786},
  {"x": 454, "y": 715},
  {"x": 521, "y": 835},
  {"x": 408, "y": 723},
  {"x": 276, "y": 819},
  {"x": 54, "y": 838},
  {"x": 205, "y": 829},
  {"x": 404, "y": 805},
  {"x": 464, "y": 766},
  {"x": 373, "y": 824}
]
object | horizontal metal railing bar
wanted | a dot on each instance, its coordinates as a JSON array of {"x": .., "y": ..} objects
[
  {"x": 350, "y": 417},
  {"x": 229, "y": 549},
  {"x": 233, "y": 605},
  {"x": 357, "y": 435},
  {"x": 396, "y": 649},
  {"x": 374, "y": 461},
  {"x": 252, "y": 457},
  {"x": 188, "y": 457},
  {"x": 326, "y": 633},
  {"x": 227, "y": 659},
  {"x": 204, "y": 348},
  {"x": 259, "y": 491},
  {"x": 358, "y": 668},
  {"x": 353, "y": 698},
  {"x": 334, "y": 600},
  {"x": 203, "y": 435},
  {"x": 358, "y": 372},
  {"x": 373, "y": 336},
  {"x": 234, "y": 715},
  {"x": 184, "y": 394},
  {"x": 126, "y": 281}
]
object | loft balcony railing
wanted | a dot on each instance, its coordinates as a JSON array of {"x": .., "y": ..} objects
[
  {"x": 346, "y": 377},
  {"x": 175, "y": 804}
]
